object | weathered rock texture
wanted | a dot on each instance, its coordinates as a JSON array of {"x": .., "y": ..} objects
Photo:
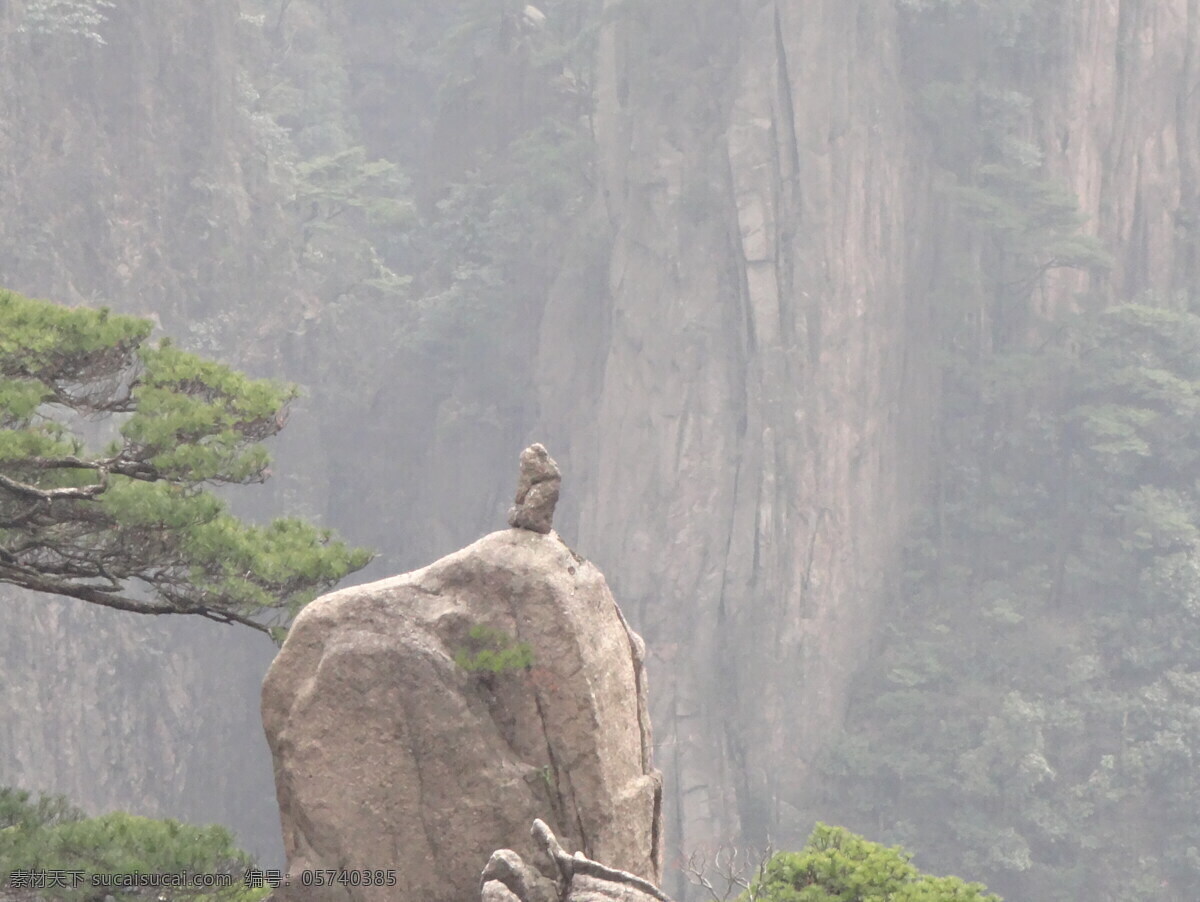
[
  {"x": 537, "y": 491},
  {"x": 573, "y": 878},
  {"x": 749, "y": 401},
  {"x": 755, "y": 389},
  {"x": 389, "y": 754}
]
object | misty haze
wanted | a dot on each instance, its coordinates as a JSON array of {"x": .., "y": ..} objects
[{"x": 844, "y": 356}]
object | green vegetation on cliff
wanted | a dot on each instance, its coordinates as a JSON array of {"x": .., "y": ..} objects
[
  {"x": 77, "y": 18},
  {"x": 432, "y": 228},
  {"x": 127, "y": 523},
  {"x": 489, "y": 651},
  {"x": 1032, "y": 715}
]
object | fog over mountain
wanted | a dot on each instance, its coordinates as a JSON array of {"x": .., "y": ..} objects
[{"x": 866, "y": 334}]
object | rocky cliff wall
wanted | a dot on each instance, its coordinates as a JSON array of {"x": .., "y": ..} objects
[
  {"x": 129, "y": 179},
  {"x": 1118, "y": 116},
  {"x": 757, "y": 385},
  {"x": 752, "y": 420}
]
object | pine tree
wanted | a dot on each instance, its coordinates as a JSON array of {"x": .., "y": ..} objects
[
  {"x": 839, "y": 866},
  {"x": 49, "y": 847},
  {"x": 133, "y": 525}
]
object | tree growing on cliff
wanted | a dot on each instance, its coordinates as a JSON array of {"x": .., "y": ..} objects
[
  {"x": 131, "y": 525},
  {"x": 838, "y": 866},
  {"x": 1033, "y": 712},
  {"x": 78, "y": 18}
]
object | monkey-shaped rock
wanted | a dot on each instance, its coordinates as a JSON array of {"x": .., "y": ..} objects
[{"x": 537, "y": 491}]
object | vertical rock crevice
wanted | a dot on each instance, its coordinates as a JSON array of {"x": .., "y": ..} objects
[{"x": 808, "y": 250}]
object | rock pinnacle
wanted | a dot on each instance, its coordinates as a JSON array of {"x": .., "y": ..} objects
[{"x": 537, "y": 491}]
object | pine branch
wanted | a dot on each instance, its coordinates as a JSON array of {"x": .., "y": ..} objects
[{"x": 38, "y": 581}]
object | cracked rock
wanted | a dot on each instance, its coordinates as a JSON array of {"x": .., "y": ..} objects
[{"x": 422, "y": 722}]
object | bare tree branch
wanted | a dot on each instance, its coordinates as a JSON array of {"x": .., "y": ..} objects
[
  {"x": 730, "y": 873},
  {"x": 16, "y": 575},
  {"x": 86, "y": 492}
]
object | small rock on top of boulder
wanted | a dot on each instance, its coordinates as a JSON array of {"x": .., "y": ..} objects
[
  {"x": 419, "y": 723},
  {"x": 537, "y": 491}
]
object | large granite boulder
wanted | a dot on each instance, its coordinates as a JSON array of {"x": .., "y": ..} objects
[{"x": 421, "y": 722}]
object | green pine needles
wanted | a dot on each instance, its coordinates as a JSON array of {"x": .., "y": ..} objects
[
  {"x": 50, "y": 836},
  {"x": 838, "y": 866},
  {"x": 132, "y": 525},
  {"x": 492, "y": 651}
]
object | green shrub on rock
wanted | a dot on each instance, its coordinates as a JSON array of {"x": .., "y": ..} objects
[{"x": 491, "y": 651}]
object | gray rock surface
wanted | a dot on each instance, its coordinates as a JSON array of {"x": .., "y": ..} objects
[
  {"x": 576, "y": 878},
  {"x": 404, "y": 738},
  {"x": 537, "y": 491}
]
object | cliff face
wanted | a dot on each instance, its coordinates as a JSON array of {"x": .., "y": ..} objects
[
  {"x": 130, "y": 166},
  {"x": 127, "y": 182},
  {"x": 1118, "y": 117},
  {"x": 762, "y": 386},
  {"x": 119, "y": 712}
]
